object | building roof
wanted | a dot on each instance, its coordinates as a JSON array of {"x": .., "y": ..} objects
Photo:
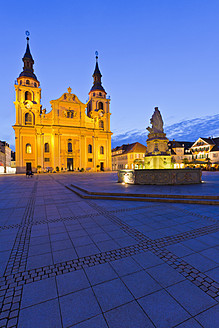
[
  {"x": 97, "y": 84},
  {"x": 174, "y": 144},
  {"x": 135, "y": 147},
  {"x": 28, "y": 63},
  {"x": 180, "y": 144},
  {"x": 210, "y": 141}
]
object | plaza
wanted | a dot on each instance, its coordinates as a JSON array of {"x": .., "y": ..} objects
[{"x": 70, "y": 258}]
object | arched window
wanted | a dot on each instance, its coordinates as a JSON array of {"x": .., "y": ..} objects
[
  {"x": 101, "y": 150},
  {"x": 46, "y": 147},
  {"x": 28, "y": 148},
  {"x": 90, "y": 149},
  {"x": 70, "y": 147},
  {"x": 28, "y": 95},
  {"x": 27, "y": 82},
  {"x": 28, "y": 119},
  {"x": 100, "y": 94},
  {"x": 100, "y": 105},
  {"x": 101, "y": 124},
  {"x": 20, "y": 82},
  {"x": 35, "y": 84}
]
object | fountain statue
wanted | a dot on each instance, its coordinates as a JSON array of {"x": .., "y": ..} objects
[
  {"x": 158, "y": 167},
  {"x": 158, "y": 155}
]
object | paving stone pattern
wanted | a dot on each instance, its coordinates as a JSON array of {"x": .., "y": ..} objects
[{"x": 17, "y": 273}]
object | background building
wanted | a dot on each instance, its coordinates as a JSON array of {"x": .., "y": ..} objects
[
  {"x": 5, "y": 158},
  {"x": 128, "y": 156},
  {"x": 180, "y": 152},
  {"x": 66, "y": 138},
  {"x": 205, "y": 152}
]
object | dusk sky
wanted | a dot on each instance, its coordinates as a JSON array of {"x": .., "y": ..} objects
[{"x": 161, "y": 53}]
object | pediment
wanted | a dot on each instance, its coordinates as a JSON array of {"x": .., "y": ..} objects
[{"x": 69, "y": 97}]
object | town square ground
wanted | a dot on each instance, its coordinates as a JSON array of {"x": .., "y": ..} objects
[{"x": 80, "y": 250}]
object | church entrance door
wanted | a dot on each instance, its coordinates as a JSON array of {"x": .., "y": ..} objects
[
  {"x": 70, "y": 164},
  {"x": 28, "y": 167},
  {"x": 101, "y": 166}
]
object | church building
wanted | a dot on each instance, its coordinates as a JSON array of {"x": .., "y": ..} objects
[{"x": 72, "y": 136}]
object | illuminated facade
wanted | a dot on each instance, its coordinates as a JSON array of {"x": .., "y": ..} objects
[
  {"x": 180, "y": 153},
  {"x": 130, "y": 156},
  {"x": 72, "y": 136},
  {"x": 5, "y": 157},
  {"x": 205, "y": 152}
]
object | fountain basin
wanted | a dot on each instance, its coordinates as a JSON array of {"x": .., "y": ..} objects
[{"x": 160, "y": 176}]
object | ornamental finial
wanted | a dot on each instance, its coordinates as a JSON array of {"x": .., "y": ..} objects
[
  {"x": 69, "y": 90},
  {"x": 27, "y": 34},
  {"x": 96, "y": 53}
]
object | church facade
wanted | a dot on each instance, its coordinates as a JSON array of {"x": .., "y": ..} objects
[{"x": 72, "y": 136}]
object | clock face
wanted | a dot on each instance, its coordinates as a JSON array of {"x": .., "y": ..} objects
[{"x": 28, "y": 105}]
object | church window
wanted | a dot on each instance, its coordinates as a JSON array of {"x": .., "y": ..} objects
[
  {"x": 101, "y": 124},
  {"x": 35, "y": 84},
  {"x": 100, "y": 105},
  {"x": 94, "y": 94},
  {"x": 28, "y": 119},
  {"x": 28, "y": 148},
  {"x": 20, "y": 82},
  {"x": 100, "y": 94},
  {"x": 70, "y": 147},
  {"x": 46, "y": 146},
  {"x": 28, "y": 95},
  {"x": 90, "y": 160},
  {"x": 90, "y": 149},
  {"x": 27, "y": 82},
  {"x": 46, "y": 159},
  {"x": 101, "y": 150},
  {"x": 70, "y": 114}
]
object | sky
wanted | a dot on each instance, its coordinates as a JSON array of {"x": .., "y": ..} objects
[{"x": 161, "y": 53}]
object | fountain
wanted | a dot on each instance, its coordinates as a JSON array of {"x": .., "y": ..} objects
[{"x": 158, "y": 167}]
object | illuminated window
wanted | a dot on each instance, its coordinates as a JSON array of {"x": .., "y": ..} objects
[
  {"x": 27, "y": 82},
  {"x": 28, "y": 119},
  {"x": 28, "y": 148},
  {"x": 89, "y": 149},
  {"x": 70, "y": 147},
  {"x": 28, "y": 95},
  {"x": 101, "y": 124},
  {"x": 46, "y": 146},
  {"x": 101, "y": 150},
  {"x": 100, "y": 105}
]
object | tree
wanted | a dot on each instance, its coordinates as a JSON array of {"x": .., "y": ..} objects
[{"x": 185, "y": 161}]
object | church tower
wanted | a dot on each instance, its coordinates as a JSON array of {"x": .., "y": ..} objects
[
  {"x": 28, "y": 109},
  {"x": 98, "y": 105}
]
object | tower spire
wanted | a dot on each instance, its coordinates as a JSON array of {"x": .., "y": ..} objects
[
  {"x": 28, "y": 70},
  {"x": 97, "y": 84}
]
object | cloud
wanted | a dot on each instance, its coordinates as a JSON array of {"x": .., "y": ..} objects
[{"x": 187, "y": 130}]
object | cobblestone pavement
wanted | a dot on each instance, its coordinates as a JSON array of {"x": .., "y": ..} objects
[{"x": 70, "y": 262}]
